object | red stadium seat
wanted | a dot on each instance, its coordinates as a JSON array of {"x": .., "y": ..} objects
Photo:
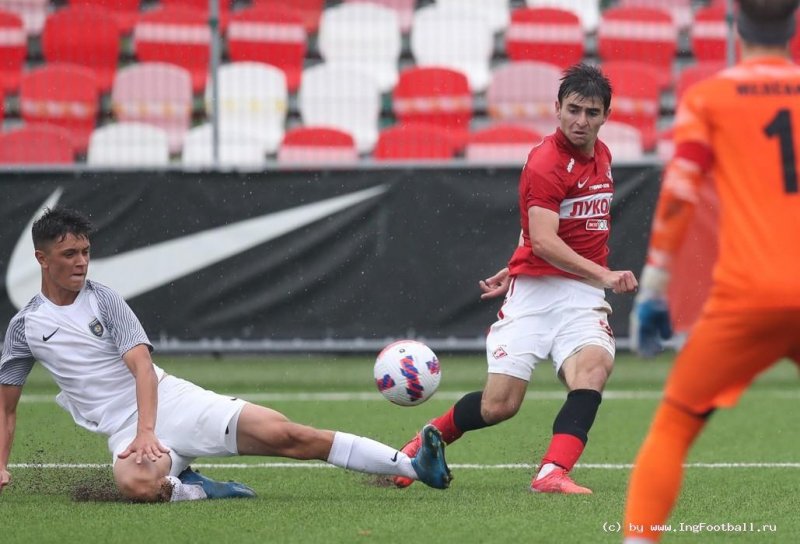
[
  {"x": 681, "y": 10},
  {"x": 639, "y": 34},
  {"x": 64, "y": 95},
  {"x": 177, "y": 35},
  {"x": 587, "y": 10},
  {"x": 317, "y": 145},
  {"x": 201, "y": 6},
  {"x": 624, "y": 141},
  {"x": 434, "y": 96},
  {"x": 36, "y": 144},
  {"x": 794, "y": 45},
  {"x": 84, "y": 35},
  {"x": 694, "y": 73},
  {"x": 501, "y": 144},
  {"x": 414, "y": 142},
  {"x": 32, "y": 12},
  {"x": 274, "y": 36},
  {"x": 637, "y": 97},
  {"x": 309, "y": 10},
  {"x": 525, "y": 93},
  {"x": 709, "y": 34},
  {"x": 549, "y": 35},
  {"x": 13, "y": 49},
  {"x": 125, "y": 12},
  {"x": 155, "y": 93}
]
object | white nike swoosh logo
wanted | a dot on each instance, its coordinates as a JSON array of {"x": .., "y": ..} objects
[
  {"x": 172, "y": 259},
  {"x": 582, "y": 183}
]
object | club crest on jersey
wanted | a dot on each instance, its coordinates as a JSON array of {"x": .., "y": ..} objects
[
  {"x": 499, "y": 352},
  {"x": 96, "y": 327},
  {"x": 608, "y": 174},
  {"x": 570, "y": 165}
]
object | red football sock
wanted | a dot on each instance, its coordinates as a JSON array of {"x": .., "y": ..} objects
[
  {"x": 447, "y": 426},
  {"x": 564, "y": 451}
]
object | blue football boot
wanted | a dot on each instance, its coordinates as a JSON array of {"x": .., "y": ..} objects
[
  {"x": 215, "y": 489},
  {"x": 429, "y": 463}
]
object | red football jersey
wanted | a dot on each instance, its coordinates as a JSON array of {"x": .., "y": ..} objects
[{"x": 558, "y": 177}]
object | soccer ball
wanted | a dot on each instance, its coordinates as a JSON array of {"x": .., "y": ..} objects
[{"x": 407, "y": 372}]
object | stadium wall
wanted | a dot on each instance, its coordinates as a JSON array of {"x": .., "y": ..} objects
[{"x": 335, "y": 260}]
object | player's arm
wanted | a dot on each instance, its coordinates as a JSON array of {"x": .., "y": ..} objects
[
  {"x": 145, "y": 445},
  {"x": 650, "y": 321},
  {"x": 548, "y": 245},
  {"x": 9, "y": 399}
]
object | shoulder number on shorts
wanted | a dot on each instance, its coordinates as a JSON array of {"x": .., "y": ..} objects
[{"x": 781, "y": 126}]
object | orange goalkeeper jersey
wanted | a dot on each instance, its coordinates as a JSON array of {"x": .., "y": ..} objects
[{"x": 744, "y": 126}]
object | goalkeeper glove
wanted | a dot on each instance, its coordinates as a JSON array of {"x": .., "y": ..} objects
[{"x": 649, "y": 320}]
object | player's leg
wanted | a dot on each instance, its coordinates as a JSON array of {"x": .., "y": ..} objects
[
  {"x": 585, "y": 374},
  {"x": 513, "y": 340},
  {"x": 501, "y": 397},
  {"x": 583, "y": 354},
  {"x": 725, "y": 352},
  {"x": 263, "y": 431}
]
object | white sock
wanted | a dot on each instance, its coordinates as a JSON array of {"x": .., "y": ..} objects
[
  {"x": 366, "y": 455},
  {"x": 185, "y": 492},
  {"x": 545, "y": 470}
]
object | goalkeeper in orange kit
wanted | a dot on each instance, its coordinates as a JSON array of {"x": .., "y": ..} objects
[{"x": 742, "y": 126}]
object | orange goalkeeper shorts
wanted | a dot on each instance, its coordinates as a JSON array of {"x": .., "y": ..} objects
[{"x": 726, "y": 351}]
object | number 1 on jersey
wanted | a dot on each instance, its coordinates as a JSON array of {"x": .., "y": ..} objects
[{"x": 781, "y": 126}]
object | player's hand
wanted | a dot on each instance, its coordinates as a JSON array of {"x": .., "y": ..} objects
[
  {"x": 495, "y": 286},
  {"x": 145, "y": 446},
  {"x": 620, "y": 281},
  {"x": 5, "y": 479}
]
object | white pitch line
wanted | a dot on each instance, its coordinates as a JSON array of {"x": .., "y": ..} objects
[
  {"x": 343, "y": 396},
  {"x": 467, "y": 466}
]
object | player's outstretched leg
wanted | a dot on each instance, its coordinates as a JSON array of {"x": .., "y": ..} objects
[
  {"x": 429, "y": 463},
  {"x": 215, "y": 489},
  {"x": 463, "y": 416}
]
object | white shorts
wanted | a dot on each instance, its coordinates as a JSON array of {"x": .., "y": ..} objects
[
  {"x": 546, "y": 317},
  {"x": 192, "y": 422}
]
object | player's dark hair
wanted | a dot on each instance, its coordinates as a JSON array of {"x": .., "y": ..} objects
[
  {"x": 767, "y": 22},
  {"x": 56, "y": 223},
  {"x": 768, "y": 11},
  {"x": 586, "y": 81}
]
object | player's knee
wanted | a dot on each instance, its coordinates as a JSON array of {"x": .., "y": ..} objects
[{"x": 495, "y": 411}]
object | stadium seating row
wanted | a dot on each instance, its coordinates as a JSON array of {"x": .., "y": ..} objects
[
  {"x": 360, "y": 78},
  {"x": 362, "y": 35},
  {"x": 131, "y": 144},
  {"x": 253, "y": 99}
]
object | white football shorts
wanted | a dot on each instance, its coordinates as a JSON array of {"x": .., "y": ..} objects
[
  {"x": 546, "y": 317},
  {"x": 192, "y": 422}
]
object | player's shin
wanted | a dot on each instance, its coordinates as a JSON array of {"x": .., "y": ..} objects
[
  {"x": 366, "y": 455},
  {"x": 571, "y": 430},
  {"x": 464, "y": 416}
]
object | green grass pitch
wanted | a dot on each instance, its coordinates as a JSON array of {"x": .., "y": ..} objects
[{"x": 54, "y": 499}]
